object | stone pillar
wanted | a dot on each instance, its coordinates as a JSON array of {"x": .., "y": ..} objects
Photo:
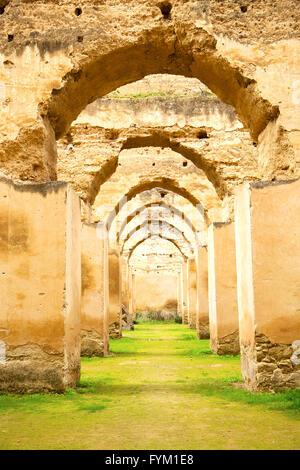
[
  {"x": 202, "y": 320},
  {"x": 268, "y": 273},
  {"x": 130, "y": 292},
  {"x": 223, "y": 309},
  {"x": 40, "y": 285},
  {"x": 179, "y": 295},
  {"x": 133, "y": 295},
  {"x": 115, "y": 279},
  {"x": 192, "y": 293},
  {"x": 94, "y": 290},
  {"x": 185, "y": 291},
  {"x": 125, "y": 282}
]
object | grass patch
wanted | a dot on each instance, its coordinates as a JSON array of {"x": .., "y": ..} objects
[
  {"x": 92, "y": 408},
  {"x": 169, "y": 94},
  {"x": 288, "y": 401}
]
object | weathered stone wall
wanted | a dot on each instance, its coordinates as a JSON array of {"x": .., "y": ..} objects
[
  {"x": 40, "y": 287},
  {"x": 219, "y": 156},
  {"x": 57, "y": 62},
  {"x": 154, "y": 111},
  {"x": 156, "y": 292},
  {"x": 180, "y": 306}
]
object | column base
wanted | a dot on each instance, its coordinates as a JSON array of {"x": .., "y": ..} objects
[
  {"x": 227, "y": 345},
  {"x": 127, "y": 320},
  {"x": 92, "y": 344},
  {"x": 115, "y": 331},
  {"x": 203, "y": 331},
  {"x": 270, "y": 366},
  {"x": 30, "y": 369}
]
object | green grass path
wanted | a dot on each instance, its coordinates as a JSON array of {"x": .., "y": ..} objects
[{"x": 161, "y": 389}]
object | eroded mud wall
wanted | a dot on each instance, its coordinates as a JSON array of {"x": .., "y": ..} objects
[
  {"x": 40, "y": 287},
  {"x": 94, "y": 291},
  {"x": 268, "y": 272}
]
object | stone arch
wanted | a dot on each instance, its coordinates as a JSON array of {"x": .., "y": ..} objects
[
  {"x": 158, "y": 196},
  {"x": 162, "y": 183},
  {"x": 156, "y": 252},
  {"x": 119, "y": 180},
  {"x": 158, "y": 139},
  {"x": 176, "y": 47},
  {"x": 159, "y": 236},
  {"x": 140, "y": 210},
  {"x": 81, "y": 68},
  {"x": 161, "y": 223}
]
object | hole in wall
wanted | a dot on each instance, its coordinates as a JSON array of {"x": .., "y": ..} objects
[
  {"x": 184, "y": 163},
  {"x": 244, "y": 8},
  {"x": 153, "y": 164},
  {"x": 202, "y": 135},
  {"x": 2, "y": 9},
  {"x": 162, "y": 195},
  {"x": 10, "y": 37},
  {"x": 165, "y": 9},
  {"x": 78, "y": 11},
  {"x": 36, "y": 167},
  {"x": 80, "y": 38}
]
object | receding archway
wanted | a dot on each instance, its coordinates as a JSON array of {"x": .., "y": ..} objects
[
  {"x": 214, "y": 181},
  {"x": 158, "y": 236},
  {"x": 169, "y": 47},
  {"x": 163, "y": 183},
  {"x": 161, "y": 139},
  {"x": 172, "y": 209},
  {"x": 161, "y": 223}
]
